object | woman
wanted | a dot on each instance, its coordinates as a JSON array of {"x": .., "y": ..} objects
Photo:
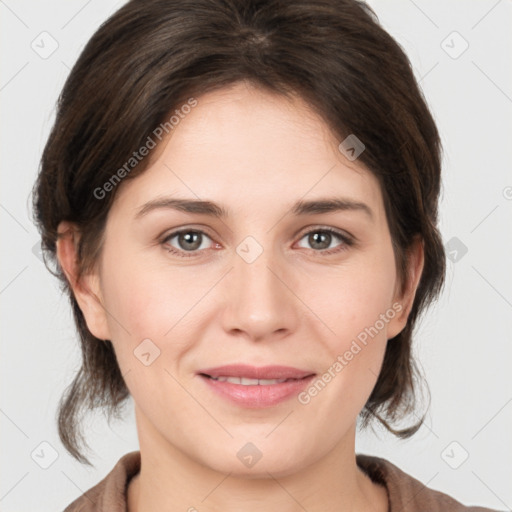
[{"x": 241, "y": 198}]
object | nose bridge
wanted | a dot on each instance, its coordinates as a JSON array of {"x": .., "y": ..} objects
[{"x": 259, "y": 302}]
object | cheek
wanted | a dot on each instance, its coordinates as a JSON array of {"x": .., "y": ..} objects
[
  {"x": 358, "y": 311},
  {"x": 143, "y": 296},
  {"x": 146, "y": 315},
  {"x": 140, "y": 304},
  {"x": 353, "y": 298},
  {"x": 152, "y": 301}
]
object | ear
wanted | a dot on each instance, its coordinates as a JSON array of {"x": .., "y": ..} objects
[
  {"x": 86, "y": 289},
  {"x": 404, "y": 296}
]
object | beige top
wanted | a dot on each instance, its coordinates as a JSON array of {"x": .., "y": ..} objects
[{"x": 405, "y": 493}]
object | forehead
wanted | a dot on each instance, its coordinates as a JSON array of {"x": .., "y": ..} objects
[{"x": 243, "y": 146}]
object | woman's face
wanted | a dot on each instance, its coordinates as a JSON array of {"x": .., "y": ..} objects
[{"x": 265, "y": 285}]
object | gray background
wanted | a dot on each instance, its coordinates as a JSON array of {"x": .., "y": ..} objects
[{"x": 464, "y": 343}]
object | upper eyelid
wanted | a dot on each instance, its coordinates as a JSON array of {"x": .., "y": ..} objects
[{"x": 186, "y": 229}]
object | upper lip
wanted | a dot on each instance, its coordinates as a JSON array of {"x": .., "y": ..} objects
[{"x": 256, "y": 372}]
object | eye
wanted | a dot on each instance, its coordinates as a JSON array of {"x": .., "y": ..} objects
[
  {"x": 187, "y": 240},
  {"x": 191, "y": 241},
  {"x": 320, "y": 240}
]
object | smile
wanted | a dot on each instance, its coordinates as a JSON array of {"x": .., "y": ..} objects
[{"x": 255, "y": 387}]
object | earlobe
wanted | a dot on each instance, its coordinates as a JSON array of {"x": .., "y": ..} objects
[
  {"x": 86, "y": 289},
  {"x": 405, "y": 296}
]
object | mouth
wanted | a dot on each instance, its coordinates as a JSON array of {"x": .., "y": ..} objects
[{"x": 256, "y": 387}]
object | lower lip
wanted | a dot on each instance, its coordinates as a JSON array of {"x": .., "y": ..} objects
[{"x": 257, "y": 397}]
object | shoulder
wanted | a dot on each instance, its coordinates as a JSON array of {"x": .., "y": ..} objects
[
  {"x": 406, "y": 492},
  {"x": 110, "y": 493}
]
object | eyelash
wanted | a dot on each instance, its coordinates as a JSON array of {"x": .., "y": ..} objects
[{"x": 347, "y": 241}]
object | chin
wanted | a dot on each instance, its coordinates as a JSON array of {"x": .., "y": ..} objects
[{"x": 254, "y": 460}]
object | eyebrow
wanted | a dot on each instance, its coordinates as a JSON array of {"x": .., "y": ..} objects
[{"x": 300, "y": 208}]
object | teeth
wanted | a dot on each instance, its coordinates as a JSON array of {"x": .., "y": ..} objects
[
  {"x": 248, "y": 382},
  {"x": 245, "y": 381}
]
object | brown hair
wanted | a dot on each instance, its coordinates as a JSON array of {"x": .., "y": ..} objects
[{"x": 150, "y": 56}]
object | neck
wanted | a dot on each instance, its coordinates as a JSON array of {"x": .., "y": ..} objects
[{"x": 171, "y": 480}]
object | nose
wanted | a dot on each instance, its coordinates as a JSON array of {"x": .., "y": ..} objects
[{"x": 261, "y": 304}]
